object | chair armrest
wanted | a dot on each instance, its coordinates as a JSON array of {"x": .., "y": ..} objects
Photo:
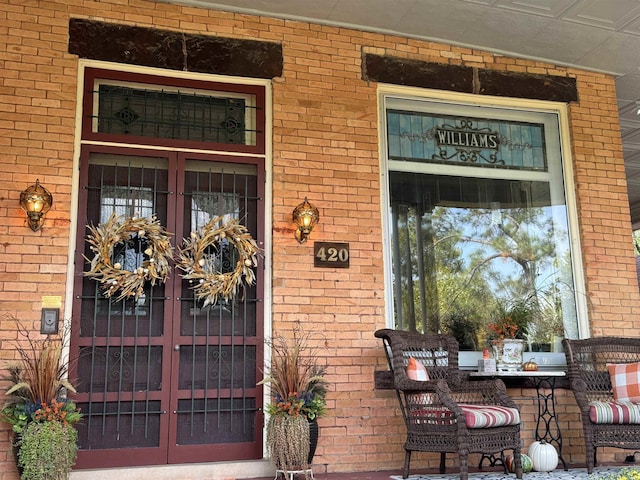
[
  {"x": 444, "y": 395},
  {"x": 580, "y": 390},
  {"x": 578, "y": 385},
  {"x": 405, "y": 384}
]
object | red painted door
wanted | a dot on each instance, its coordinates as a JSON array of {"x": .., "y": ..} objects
[{"x": 164, "y": 379}]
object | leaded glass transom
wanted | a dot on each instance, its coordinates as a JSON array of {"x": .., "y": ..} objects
[{"x": 141, "y": 111}]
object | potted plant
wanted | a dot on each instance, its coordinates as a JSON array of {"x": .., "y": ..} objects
[
  {"x": 39, "y": 412},
  {"x": 298, "y": 392},
  {"x": 507, "y": 334}
]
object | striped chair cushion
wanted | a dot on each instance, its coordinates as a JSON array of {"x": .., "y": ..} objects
[
  {"x": 484, "y": 416},
  {"x": 432, "y": 416},
  {"x": 614, "y": 412}
]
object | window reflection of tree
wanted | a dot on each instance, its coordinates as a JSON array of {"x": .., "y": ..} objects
[{"x": 466, "y": 247}]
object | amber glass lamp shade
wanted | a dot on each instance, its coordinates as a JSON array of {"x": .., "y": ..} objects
[
  {"x": 35, "y": 201},
  {"x": 305, "y": 216}
]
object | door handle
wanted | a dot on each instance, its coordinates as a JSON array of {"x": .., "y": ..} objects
[{"x": 176, "y": 347}]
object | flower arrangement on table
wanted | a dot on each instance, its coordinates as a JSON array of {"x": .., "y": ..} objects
[
  {"x": 629, "y": 473},
  {"x": 503, "y": 328},
  {"x": 512, "y": 320},
  {"x": 507, "y": 335}
]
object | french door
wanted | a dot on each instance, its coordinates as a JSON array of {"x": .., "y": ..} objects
[{"x": 163, "y": 379}]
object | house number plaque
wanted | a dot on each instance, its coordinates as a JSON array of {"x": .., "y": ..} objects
[{"x": 330, "y": 254}]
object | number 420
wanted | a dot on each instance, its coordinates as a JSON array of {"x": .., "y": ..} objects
[{"x": 332, "y": 255}]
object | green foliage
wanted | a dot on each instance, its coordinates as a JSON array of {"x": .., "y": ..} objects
[
  {"x": 17, "y": 415},
  {"x": 456, "y": 263},
  {"x": 47, "y": 450},
  {"x": 511, "y": 320},
  {"x": 464, "y": 329},
  {"x": 622, "y": 474}
]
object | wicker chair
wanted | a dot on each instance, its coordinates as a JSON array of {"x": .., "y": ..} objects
[
  {"x": 432, "y": 411},
  {"x": 590, "y": 382}
]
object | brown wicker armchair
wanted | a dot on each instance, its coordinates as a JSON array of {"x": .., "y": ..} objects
[
  {"x": 590, "y": 382},
  {"x": 436, "y": 412}
]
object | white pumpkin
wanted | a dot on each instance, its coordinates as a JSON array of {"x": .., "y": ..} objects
[{"x": 543, "y": 456}]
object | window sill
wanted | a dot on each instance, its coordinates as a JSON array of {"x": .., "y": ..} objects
[{"x": 545, "y": 360}]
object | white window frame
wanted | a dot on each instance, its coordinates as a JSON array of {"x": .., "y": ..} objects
[{"x": 476, "y": 106}]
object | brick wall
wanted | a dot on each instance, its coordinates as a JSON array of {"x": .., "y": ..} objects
[{"x": 325, "y": 146}]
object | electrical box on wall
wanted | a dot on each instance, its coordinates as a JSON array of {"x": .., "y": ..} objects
[{"x": 49, "y": 320}]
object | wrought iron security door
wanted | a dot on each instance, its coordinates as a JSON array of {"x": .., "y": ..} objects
[{"x": 163, "y": 379}]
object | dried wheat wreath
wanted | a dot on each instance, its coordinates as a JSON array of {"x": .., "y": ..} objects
[
  {"x": 115, "y": 280},
  {"x": 211, "y": 285}
]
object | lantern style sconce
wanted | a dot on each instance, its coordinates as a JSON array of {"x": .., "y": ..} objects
[
  {"x": 36, "y": 201},
  {"x": 305, "y": 216}
]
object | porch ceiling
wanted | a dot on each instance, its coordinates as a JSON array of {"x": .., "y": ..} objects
[{"x": 600, "y": 35}]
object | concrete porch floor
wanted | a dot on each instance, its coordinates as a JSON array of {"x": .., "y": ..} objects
[{"x": 574, "y": 472}]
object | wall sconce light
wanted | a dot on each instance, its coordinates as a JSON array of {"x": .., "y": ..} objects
[
  {"x": 36, "y": 201},
  {"x": 305, "y": 216}
]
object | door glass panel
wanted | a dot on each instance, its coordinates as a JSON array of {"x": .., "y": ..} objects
[
  {"x": 142, "y": 317},
  {"x": 217, "y": 367},
  {"x": 214, "y": 421},
  {"x": 119, "y": 425},
  {"x": 228, "y": 191},
  {"x": 114, "y": 369},
  {"x": 220, "y": 319}
]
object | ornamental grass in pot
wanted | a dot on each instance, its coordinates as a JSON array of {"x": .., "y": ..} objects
[
  {"x": 298, "y": 392},
  {"x": 38, "y": 410}
]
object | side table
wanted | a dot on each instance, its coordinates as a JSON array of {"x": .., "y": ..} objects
[{"x": 544, "y": 381}]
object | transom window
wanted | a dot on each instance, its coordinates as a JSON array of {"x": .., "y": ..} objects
[
  {"x": 126, "y": 107},
  {"x": 182, "y": 114}
]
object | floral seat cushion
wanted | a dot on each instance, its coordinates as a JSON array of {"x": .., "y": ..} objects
[
  {"x": 617, "y": 413},
  {"x": 486, "y": 416}
]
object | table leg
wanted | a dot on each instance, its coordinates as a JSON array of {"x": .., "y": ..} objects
[
  {"x": 494, "y": 461},
  {"x": 547, "y": 426}
]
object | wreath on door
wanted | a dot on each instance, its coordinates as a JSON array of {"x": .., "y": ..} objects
[
  {"x": 210, "y": 276},
  {"x": 149, "y": 242}
]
